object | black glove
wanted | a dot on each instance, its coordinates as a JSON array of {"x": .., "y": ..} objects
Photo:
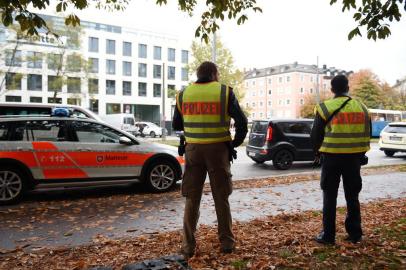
[
  {"x": 181, "y": 146},
  {"x": 232, "y": 153},
  {"x": 317, "y": 160}
]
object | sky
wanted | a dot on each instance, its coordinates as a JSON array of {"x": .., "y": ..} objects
[{"x": 286, "y": 31}]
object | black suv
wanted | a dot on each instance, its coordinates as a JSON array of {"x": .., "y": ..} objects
[{"x": 282, "y": 141}]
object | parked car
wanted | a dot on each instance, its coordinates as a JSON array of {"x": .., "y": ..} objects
[
  {"x": 49, "y": 151},
  {"x": 21, "y": 109},
  {"x": 123, "y": 121},
  {"x": 393, "y": 138},
  {"x": 282, "y": 141},
  {"x": 149, "y": 129}
]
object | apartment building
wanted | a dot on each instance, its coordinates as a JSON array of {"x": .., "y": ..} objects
[
  {"x": 128, "y": 69},
  {"x": 280, "y": 91}
]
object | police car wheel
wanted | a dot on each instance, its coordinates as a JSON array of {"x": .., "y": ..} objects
[
  {"x": 12, "y": 185},
  {"x": 152, "y": 134},
  {"x": 160, "y": 176},
  {"x": 283, "y": 159}
]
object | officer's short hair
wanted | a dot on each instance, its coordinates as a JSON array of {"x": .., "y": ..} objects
[
  {"x": 206, "y": 69},
  {"x": 339, "y": 84}
]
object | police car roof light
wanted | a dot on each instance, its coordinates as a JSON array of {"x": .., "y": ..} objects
[{"x": 60, "y": 112}]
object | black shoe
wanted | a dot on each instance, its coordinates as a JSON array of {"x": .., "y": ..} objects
[
  {"x": 324, "y": 240},
  {"x": 227, "y": 250},
  {"x": 353, "y": 240},
  {"x": 186, "y": 255}
]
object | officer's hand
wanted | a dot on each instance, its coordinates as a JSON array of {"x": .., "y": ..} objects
[{"x": 234, "y": 153}]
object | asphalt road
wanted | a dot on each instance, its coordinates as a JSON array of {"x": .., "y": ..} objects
[{"x": 245, "y": 168}]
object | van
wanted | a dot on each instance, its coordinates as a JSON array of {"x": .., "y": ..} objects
[
  {"x": 123, "y": 121},
  {"x": 22, "y": 109},
  {"x": 280, "y": 140}
]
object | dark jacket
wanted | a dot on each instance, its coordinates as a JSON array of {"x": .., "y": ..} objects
[
  {"x": 319, "y": 125},
  {"x": 234, "y": 110}
]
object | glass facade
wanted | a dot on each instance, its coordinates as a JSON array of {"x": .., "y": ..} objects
[
  {"x": 126, "y": 68},
  {"x": 171, "y": 73},
  {"x": 171, "y": 54},
  {"x": 142, "y": 89},
  {"x": 157, "y": 72},
  {"x": 34, "y": 59},
  {"x": 110, "y": 87},
  {"x": 110, "y": 46},
  {"x": 157, "y": 53},
  {"x": 34, "y": 82},
  {"x": 142, "y": 70},
  {"x": 157, "y": 90},
  {"x": 111, "y": 66},
  {"x": 127, "y": 48},
  {"x": 142, "y": 51},
  {"x": 93, "y": 44},
  {"x": 126, "y": 88}
]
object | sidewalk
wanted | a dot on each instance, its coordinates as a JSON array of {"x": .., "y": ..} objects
[{"x": 158, "y": 235}]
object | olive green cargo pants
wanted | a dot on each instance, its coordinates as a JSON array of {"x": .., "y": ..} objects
[{"x": 201, "y": 159}]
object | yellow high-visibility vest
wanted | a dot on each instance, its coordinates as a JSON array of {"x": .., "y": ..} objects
[
  {"x": 204, "y": 108},
  {"x": 349, "y": 130}
]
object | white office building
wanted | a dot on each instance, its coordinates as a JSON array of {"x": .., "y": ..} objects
[{"x": 128, "y": 69}]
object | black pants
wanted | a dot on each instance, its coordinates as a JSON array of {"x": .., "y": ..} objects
[{"x": 333, "y": 167}]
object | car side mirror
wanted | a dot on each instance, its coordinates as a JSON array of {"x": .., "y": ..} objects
[{"x": 125, "y": 140}]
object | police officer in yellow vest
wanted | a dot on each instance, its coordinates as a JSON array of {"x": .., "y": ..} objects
[
  {"x": 203, "y": 111},
  {"x": 342, "y": 142}
]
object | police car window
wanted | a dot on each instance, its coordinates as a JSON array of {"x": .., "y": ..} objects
[
  {"x": 95, "y": 133},
  {"x": 79, "y": 114},
  {"x": 4, "y": 131},
  {"x": 44, "y": 130}
]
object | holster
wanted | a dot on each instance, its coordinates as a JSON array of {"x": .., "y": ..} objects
[
  {"x": 182, "y": 145},
  {"x": 232, "y": 153}
]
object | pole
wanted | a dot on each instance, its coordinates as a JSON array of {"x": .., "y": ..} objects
[
  {"x": 317, "y": 82},
  {"x": 163, "y": 122},
  {"x": 213, "y": 46}
]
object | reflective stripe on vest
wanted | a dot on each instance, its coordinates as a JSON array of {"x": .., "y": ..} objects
[
  {"x": 349, "y": 130},
  {"x": 204, "y": 111}
]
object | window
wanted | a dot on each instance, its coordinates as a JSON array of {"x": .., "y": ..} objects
[
  {"x": 126, "y": 88},
  {"x": 301, "y": 90},
  {"x": 269, "y": 92},
  {"x": 269, "y": 103},
  {"x": 34, "y": 82},
  {"x": 287, "y": 101},
  {"x": 142, "y": 70},
  {"x": 93, "y": 44},
  {"x": 73, "y": 63},
  {"x": 95, "y": 133},
  {"x": 311, "y": 90},
  {"x": 54, "y": 83},
  {"x": 142, "y": 89},
  {"x": 93, "y": 65},
  {"x": 185, "y": 57},
  {"x": 35, "y": 99},
  {"x": 185, "y": 74},
  {"x": 157, "y": 71},
  {"x": 287, "y": 78},
  {"x": 13, "y": 81},
  {"x": 142, "y": 51},
  {"x": 301, "y": 78},
  {"x": 110, "y": 66},
  {"x": 73, "y": 85},
  {"x": 280, "y": 102},
  {"x": 171, "y": 91},
  {"x": 261, "y": 114},
  {"x": 112, "y": 108},
  {"x": 74, "y": 101},
  {"x": 55, "y": 100},
  {"x": 54, "y": 61},
  {"x": 296, "y": 128},
  {"x": 46, "y": 130},
  {"x": 253, "y": 83},
  {"x": 253, "y": 93},
  {"x": 261, "y": 93},
  {"x": 171, "y": 73},
  {"x": 110, "y": 87},
  {"x": 157, "y": 53},
  {"x": 261, "y": 104},
  {"x": 157, "y": 90},
  {"x": 13, "y": 58},
  {"x": 280, "y": 79},
  {"x": 269, "y": 81},
  {"x": 253, "y": 104},
  {"x": 171, "y": 54},
  {"x": 311, "y": 78},
  {"x": 34, "y": 60},
  {"x": 253, "y": 115},
  {"x": 13, "y": 98},
  {"x": 94, "y": 105},
  {"x": 127, "y": 48},
  {"x": 127, "y": 68},
  {"x": 93, "y": 86},
  {"x": 110, "y": 46},
  {"x": 301, "y": 101}
]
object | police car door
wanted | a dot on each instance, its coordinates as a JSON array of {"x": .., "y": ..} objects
[{"x": 100, "y": 154}]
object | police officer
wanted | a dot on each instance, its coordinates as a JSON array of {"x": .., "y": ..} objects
[
  {"x": 342, "y": 141},
  {"x": 203, "y": 111}
]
